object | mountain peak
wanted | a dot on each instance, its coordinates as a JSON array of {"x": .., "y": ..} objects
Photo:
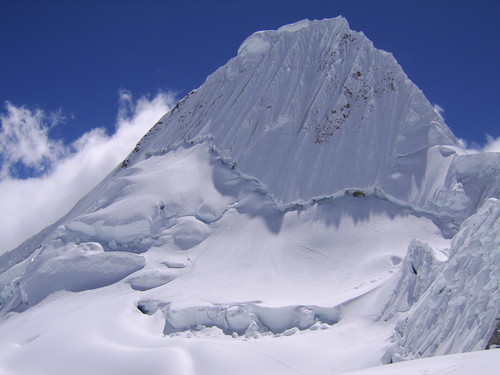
[
  {"x": 260, "y": 41},
  {"x": 310, "y": 109}
]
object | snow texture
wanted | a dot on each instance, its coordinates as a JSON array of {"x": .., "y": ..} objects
[
  {"x": 306, "y": 204},
  {"x": 455, "y": 304},
  {"x": 320, "y": 98}
]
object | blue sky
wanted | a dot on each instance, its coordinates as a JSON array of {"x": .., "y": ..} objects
[{"x": 81, "y": 81}]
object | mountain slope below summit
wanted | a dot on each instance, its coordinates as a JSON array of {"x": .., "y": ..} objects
[
  {"x": 222, "y": 270},
  {"x": 187, "y": 204}
]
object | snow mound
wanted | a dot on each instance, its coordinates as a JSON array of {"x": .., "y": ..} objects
[
  {"x": 254, "y": 45},
  {"x": 75, "y": 268},
  {"x": 470, "y": 180},
  {"x": 293, "y": 27},
  {"x": 189, "y": 232},
  {"x": 149, "y": 279}
]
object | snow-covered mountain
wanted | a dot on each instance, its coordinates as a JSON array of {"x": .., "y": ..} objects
[{"x": 306, "y": 204}]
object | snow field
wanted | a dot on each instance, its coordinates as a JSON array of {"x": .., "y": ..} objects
[{"x": 119, "y": 339}]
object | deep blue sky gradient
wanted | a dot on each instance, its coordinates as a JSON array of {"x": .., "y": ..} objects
[{"x": 76, "y": 55}]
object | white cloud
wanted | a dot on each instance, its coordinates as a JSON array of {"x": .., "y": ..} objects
[
  {"x": 67, "y": 172},
  {"x": 439, "y": 110},
  {"x": 492, "y": 145},
  {"x": 24, "y": 139}
]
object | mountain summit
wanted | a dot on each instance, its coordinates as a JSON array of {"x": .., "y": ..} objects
[
  {"x": 305, "y": 204},
  {"x": 311, "y": 109}
]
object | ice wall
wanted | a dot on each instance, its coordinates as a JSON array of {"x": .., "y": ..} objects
[{"x": 451, "y": 306}]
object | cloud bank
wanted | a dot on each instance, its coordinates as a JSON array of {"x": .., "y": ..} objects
[
  {"x": 492, "y": 145},
  {"x": 62, "y": 173},
  {"x": 24, "y": 140}
]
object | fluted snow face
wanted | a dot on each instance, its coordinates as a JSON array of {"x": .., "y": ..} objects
[{"x": 310, "y": 109}]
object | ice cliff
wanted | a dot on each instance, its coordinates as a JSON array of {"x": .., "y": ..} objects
[{"x": 453, "y": 304}]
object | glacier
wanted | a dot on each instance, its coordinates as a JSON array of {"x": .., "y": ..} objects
[{"x": 306, "y": 204}]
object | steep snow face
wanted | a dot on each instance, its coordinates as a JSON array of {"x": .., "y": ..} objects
[
  {"x": 452, "y": 306},
  {"x": 311, "y": 109}
]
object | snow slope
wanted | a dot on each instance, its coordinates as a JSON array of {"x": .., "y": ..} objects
[
  {"x": 484, "y": 362},
  {"x": 306, "y": 204}
]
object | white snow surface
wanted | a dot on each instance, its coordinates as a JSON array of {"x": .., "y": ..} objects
[
  {"x": 484, "y": 362},
  {"x": 304, "y": 211}
]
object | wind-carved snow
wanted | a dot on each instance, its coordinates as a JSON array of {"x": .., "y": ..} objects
[
  {"x": 304, "y": 205},
  {"x": 249, "y": 320},
  {"x": 253, "y": 47},
  {"x": 418, "y": 269},
  {"x": 75, "y": 270},
  {"x": 453, "y": 306}
]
